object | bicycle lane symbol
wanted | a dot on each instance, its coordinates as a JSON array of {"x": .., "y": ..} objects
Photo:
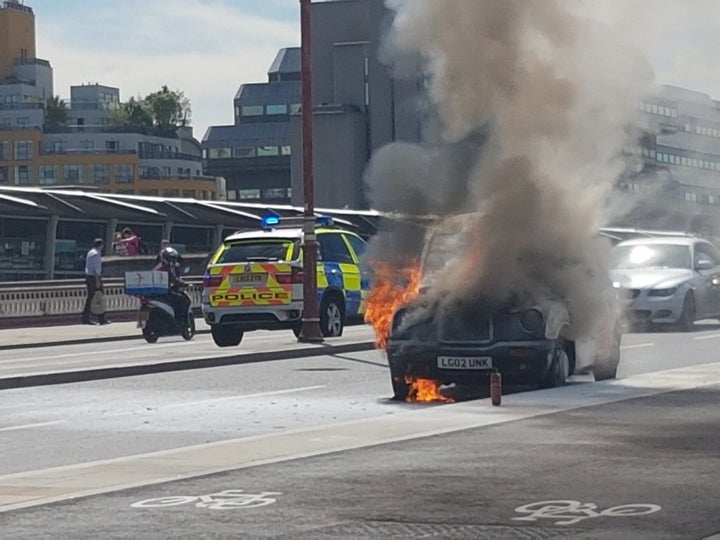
[
  {"x": 222, "y": 500},
  {"x": 568, "y": 512}
]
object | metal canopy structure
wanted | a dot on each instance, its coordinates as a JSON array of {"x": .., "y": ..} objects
[{"x": 97, "y": 206}]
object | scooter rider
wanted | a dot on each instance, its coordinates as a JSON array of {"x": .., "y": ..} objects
[{"x": 179, "y": 301}]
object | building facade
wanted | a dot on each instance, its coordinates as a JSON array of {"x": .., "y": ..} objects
[
  {"x": 253, "y": 154},
  {"x": 676, "y": 181}
]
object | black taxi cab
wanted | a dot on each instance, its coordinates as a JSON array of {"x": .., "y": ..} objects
[{"x": 254, "y": 281}]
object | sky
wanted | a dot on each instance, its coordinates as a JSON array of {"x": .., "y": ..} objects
[
  {"x": 208, "y": 48},
  {"x": 204, "y": 48}
]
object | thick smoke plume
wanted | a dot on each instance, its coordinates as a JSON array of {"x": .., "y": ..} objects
[{"x": 531, "y": 104}]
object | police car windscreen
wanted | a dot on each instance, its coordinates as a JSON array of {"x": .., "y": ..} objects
[{"x": 260, "y": 250}]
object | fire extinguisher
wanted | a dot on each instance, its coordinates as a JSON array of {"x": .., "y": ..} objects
[{"x": 495, "y": 388}]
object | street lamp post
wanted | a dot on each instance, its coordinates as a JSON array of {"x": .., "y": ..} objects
[{"x": 310, "y": 331}]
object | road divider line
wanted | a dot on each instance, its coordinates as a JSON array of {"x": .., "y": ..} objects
[
  {"x": 636, "y": 346},
  {"x": 31, "y": 426},
  {"x": 709, "y": 336},
  {"x": 33, "y": 488},
  {"x": 243, "y": 396}
]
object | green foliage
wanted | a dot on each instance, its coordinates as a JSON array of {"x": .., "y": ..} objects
[
  {"x": 159, "y": 113},
  {"x": 56, "y": 114}
]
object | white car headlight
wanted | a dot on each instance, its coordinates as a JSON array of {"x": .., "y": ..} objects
[{"x": 663, "y": 292}]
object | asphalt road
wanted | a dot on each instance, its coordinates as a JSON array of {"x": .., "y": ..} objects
[{"x": 611, "y": 444}]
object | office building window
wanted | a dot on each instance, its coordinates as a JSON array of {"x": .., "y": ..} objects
[
  {"x": 100, "y": 173},
  {"x": 248, "y": 194},
  {"x": 23, "y": 150},
  {"x": 22, "y": 121},
  {"x": 124, "y": 173},
  {"x": 49, "y": 174},
  {"x": 243, "y": 152},
  {"x": 73, "y": 174},
  {"x": 252, "y": 110},
  {"x": 3, "y": 175},
  {"x": 188, "y": 193},
  {"x": 274, "y": 193},
  {"x": 171, "y": 193},
  {"x": 219, "y": 153},
  {"x": 22, "y": 175},
  {"x": 59, "y": 146},
  {"x": 87, "y": 145},
  {"x": 3, "y": 150},
  {"x": 263, "y": 151},
  {"x": 276, "y": 109}
]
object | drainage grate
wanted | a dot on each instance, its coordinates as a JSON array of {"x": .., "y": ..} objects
[{"x": 395, "y": 529}]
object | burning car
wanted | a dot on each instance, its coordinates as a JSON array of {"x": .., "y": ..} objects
[{"x": 464, "y": 339}]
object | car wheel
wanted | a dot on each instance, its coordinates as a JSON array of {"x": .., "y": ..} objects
[
  {"x": 559, "y": 368},
  {"x": 150, "y": 335},
  {"x": 189, "y": 331},
  {"x": 226, "y": 336},
  {"x": 399, "y": 385},
  {"x": 332, "y": 316},
  {"x": 687, "y": 317},
  {"x": 602, "y": 371}
]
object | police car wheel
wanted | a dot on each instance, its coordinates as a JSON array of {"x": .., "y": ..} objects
[
  {"x": 226, "y": 336},
  {"x": 332, "y": 317}
]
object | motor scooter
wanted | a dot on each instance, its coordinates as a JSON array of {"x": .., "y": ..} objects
[{"x": 157, "y": 318}]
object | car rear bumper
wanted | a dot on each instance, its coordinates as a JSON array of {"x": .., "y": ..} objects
[
  {"x": 519, "y": 362},
  {"x": 254, "y": 317}
]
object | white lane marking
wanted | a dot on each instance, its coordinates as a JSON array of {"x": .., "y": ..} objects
[
  {"x": 31, "y": 426},
  {"x": 51, "y": 485},
  {"x": 636, "y": 346},
  {"x": 568, "y": 512},
  {"x": 243, "y": 396},
  {"x": 223, "y": 500},
  {"x": 709, "y": 336}
]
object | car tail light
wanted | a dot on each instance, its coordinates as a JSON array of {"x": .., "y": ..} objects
[
  {"x": 212, "y": 281},
  {"x": 295, "y": 277}
]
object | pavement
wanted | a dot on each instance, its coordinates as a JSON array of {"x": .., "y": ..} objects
[{"x": 34, "y": 336}]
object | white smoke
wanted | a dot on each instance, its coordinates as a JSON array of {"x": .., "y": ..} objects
[{"x": 553, "y": 93}]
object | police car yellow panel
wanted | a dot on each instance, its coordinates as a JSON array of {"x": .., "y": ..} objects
[{"x": 255, "y": 281}]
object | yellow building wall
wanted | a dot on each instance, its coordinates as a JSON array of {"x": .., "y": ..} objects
[
  {"x": 28, "y": 168},
  {"x": 17, "y": 37}
]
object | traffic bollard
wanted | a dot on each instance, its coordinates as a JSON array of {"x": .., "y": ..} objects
[{"x": 495, "y": 388}]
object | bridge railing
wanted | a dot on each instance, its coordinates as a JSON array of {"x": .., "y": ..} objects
[{"x": 21, "y": 301}]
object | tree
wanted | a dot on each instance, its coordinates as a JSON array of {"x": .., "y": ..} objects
[
  {"x": 170, "y": 109},
  {"x": 159, "y": 113},
  {"x": 132, "y": 116},
  {"x": 56, "y": 114}
]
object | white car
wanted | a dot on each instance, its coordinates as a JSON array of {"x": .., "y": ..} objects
[{"x": 667, "y": 280}]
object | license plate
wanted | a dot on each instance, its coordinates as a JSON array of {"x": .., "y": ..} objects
[
  {"x": 248, "y": 279},
  {"x": 465, "y": 362}
]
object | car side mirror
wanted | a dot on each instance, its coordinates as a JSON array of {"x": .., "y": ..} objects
[{"x": 704, "y": 264}]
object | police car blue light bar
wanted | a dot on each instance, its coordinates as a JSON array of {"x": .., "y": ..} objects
[{"x": 272, "y": 221}]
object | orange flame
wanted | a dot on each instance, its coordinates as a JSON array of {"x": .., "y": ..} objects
[
  {"x": 392, "y": 287},
  {"x": 425, "y": 390}
]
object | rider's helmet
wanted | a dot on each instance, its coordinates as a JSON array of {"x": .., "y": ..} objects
[{"x": 169, "y": 255}]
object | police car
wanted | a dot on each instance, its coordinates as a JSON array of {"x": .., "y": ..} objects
[{"x": 254, "y": 281}]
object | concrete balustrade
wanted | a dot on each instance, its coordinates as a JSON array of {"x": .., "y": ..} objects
[{"x": 27, "y": 300}]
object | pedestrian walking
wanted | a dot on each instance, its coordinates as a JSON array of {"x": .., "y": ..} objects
[{"x": 93, "y": 282}]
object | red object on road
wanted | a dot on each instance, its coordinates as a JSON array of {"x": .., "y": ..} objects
[{"x": 495, "y": 388}]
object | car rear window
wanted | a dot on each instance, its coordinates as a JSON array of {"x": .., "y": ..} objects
[{"x": 260, "y": 250}]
